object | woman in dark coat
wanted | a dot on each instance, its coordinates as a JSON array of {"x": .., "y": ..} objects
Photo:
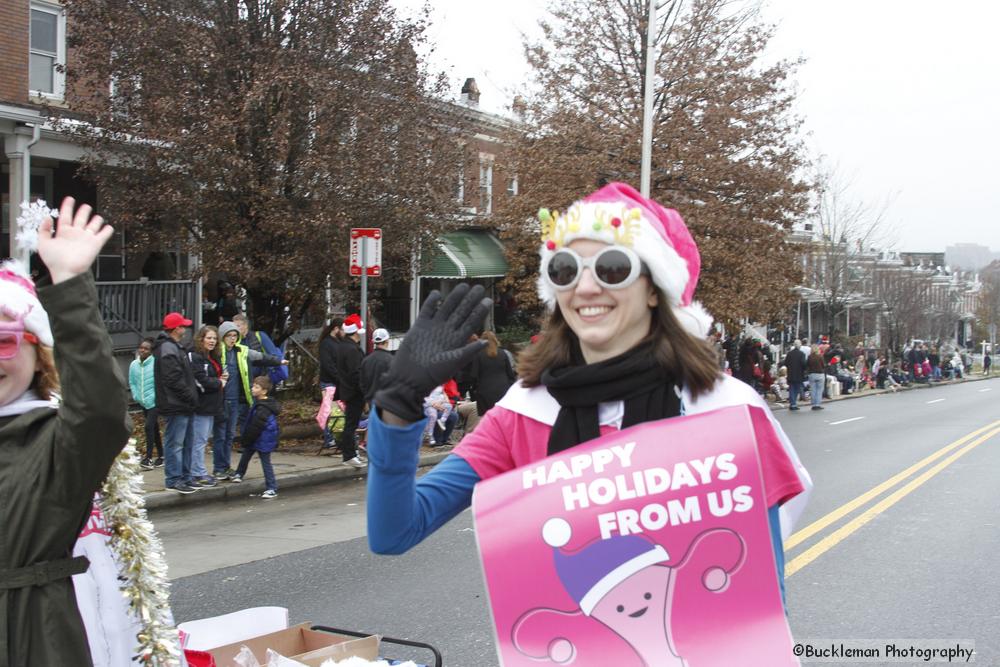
[
  {"x": 492, "y": 374},
  {"x": 53, "y": 456}
]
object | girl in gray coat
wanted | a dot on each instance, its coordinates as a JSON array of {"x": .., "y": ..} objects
[{"x": 53, "y": 455}]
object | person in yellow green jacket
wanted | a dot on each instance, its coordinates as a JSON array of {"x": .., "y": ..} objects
[{"x": 237, "y": 360}]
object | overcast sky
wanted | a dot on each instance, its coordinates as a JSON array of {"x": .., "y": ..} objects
[{"x": 904, "y": 96}]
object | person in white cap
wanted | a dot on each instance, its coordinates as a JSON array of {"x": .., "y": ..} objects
[
  {"x": 375, "y": 364},
  {"x": 624, "y": 344},
  {"x": 55, "y": 452}
]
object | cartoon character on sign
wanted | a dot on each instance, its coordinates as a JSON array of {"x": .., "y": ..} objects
[{"x": 626, "y": 583}]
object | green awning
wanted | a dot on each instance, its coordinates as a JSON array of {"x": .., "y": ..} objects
[{"x": 468, "y": 253}]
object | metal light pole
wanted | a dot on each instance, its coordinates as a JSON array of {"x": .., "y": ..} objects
[{"x": 647, "y": 102}]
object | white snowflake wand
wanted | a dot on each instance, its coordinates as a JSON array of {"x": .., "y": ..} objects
[{"x": 32, "y": 216}]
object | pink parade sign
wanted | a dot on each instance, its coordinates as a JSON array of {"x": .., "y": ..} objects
[{"x": 646, "y": 547}]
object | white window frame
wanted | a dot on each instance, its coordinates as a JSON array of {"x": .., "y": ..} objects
[
  {"x": 460, "y": 191},
  {"x": 58, "y": 76},
  {"x": 512, "y": 186},
  {"x": 486, "y": 181}
]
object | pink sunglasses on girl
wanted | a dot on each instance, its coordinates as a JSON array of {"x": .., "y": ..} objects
[{"x": 11, "y": 335}]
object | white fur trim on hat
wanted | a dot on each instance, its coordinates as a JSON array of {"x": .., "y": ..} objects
[
  {"x": 695, "y": 319},
  {"x": 597, "y": 592},
  {"x": 18, "y": 300}
]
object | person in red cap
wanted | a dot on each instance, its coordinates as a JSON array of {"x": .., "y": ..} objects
[{"x": 176, "y": 401}]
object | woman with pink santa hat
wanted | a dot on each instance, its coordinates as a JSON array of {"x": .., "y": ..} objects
[
  {"x": 624, "y": 343},
  {"x": 57, "y": 441}
]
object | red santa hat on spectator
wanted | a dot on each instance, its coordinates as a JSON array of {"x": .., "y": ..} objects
[
  {"x": 353, "y": 324},
  {"x": 618, "y": 215}
]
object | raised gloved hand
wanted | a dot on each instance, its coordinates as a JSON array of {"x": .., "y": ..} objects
[{"x": 434, "y": 350}]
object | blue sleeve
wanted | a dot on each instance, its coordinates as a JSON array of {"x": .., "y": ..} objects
[
  {"x": 779, "y": 548},
  {"x": 402, "y": 510}
]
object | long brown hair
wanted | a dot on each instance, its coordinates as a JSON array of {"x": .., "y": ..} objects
[
  {"x": 199, "y": 342},
  {"x": 46, "y": 379},
  {"x": 690, "y": 361},
  {"x": 492, "y": 344}
]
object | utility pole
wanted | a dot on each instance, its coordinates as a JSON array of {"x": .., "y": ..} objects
[{"x": 647, "y": 101}]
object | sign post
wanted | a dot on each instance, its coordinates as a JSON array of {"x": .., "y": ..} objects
[{"x": 366, "y": 260}]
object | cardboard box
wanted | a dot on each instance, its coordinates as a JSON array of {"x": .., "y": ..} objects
[{"x": 310, "y": 647}]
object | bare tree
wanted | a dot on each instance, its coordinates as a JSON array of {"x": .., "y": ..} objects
[
  {"x": 988, "y": 311},
  {"x": 255, "y": 133},
  {"x": 904, "y": 295},
  {"x": 726, "y": 151},
  {"x": 847, "y": 234}
]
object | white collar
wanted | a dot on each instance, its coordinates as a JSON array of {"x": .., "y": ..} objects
[
  {"x": 538, "y": 404},
  {"x": 28, "y": 401}
]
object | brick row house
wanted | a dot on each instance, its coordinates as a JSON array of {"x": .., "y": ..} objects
[
  {"x": 883, "y": 298},
  {"x": 39, "y": 162}
]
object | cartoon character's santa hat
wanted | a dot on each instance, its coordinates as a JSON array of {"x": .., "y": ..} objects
[
  {"x": 19, "y": 301},
  {"x": 617, "y": 214},
  {"x": 592, "y": 572},
  {"x": 353, "y": 324}
]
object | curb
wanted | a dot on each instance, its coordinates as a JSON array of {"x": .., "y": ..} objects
[
  {"x": 880, "y": 392},
  {"x": 225, "y": 491}
]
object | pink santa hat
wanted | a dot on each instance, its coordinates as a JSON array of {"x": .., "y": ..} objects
[
  {"x": 19, "y": 301},
  {"x": 617, "y": 214}
]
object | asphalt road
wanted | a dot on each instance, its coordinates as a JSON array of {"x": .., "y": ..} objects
[{"x": 915, "y": 560}]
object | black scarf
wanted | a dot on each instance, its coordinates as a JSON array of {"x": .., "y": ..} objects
[{"x": 634, "y": 377}]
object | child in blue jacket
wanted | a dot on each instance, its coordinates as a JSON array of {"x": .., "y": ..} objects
[{"x": 260, "y": 435}]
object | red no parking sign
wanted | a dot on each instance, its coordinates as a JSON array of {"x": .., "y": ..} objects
[{"x": 369, "y": 241}]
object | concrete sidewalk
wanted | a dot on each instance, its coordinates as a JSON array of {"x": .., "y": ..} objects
[
  {"x": 305, "y": 469},
  {"x": 877, "y": 392},
  {"x": 291, "y": 470}
]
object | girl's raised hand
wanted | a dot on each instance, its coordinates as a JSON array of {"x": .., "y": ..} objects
[{"x": 77, "y": 241}]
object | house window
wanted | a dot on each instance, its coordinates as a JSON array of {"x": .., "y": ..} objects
[
  {"x": 460, "y": 184},
  {"x": 110, "y": 264},
  {"x": 485, "y": 184},
  {"x": 47, "y": 50},
  {"x": 512, "y": 186}
]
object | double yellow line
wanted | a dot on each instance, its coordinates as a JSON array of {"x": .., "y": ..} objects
[{"x": 963, "y": 445}]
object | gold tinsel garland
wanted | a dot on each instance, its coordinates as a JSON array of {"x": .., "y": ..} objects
[{"x": 140, "y": 556}]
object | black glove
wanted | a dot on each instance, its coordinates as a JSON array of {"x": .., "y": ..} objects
[{"x": 434, "y": 350}]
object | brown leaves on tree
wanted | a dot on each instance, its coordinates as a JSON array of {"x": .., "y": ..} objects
[
  {"x": 726, "y": 152},
  {"x": 257, "y": 132}
]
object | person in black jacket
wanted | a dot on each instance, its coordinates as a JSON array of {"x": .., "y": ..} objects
[
  {"x": 795, "y": 362},
  {"x": 349, "y": 358},
  {"x": 492, "y": 374},
  {"x": 211, "y": 380},
  {"x": 176, "y": 400},
  {"x": 375, "y": 364},
  {"x": 329, "y": 338}
]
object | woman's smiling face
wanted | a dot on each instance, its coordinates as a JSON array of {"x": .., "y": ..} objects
[
  {"x": 17, "y": 372},
  {"x": 608, "y": 322}
]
